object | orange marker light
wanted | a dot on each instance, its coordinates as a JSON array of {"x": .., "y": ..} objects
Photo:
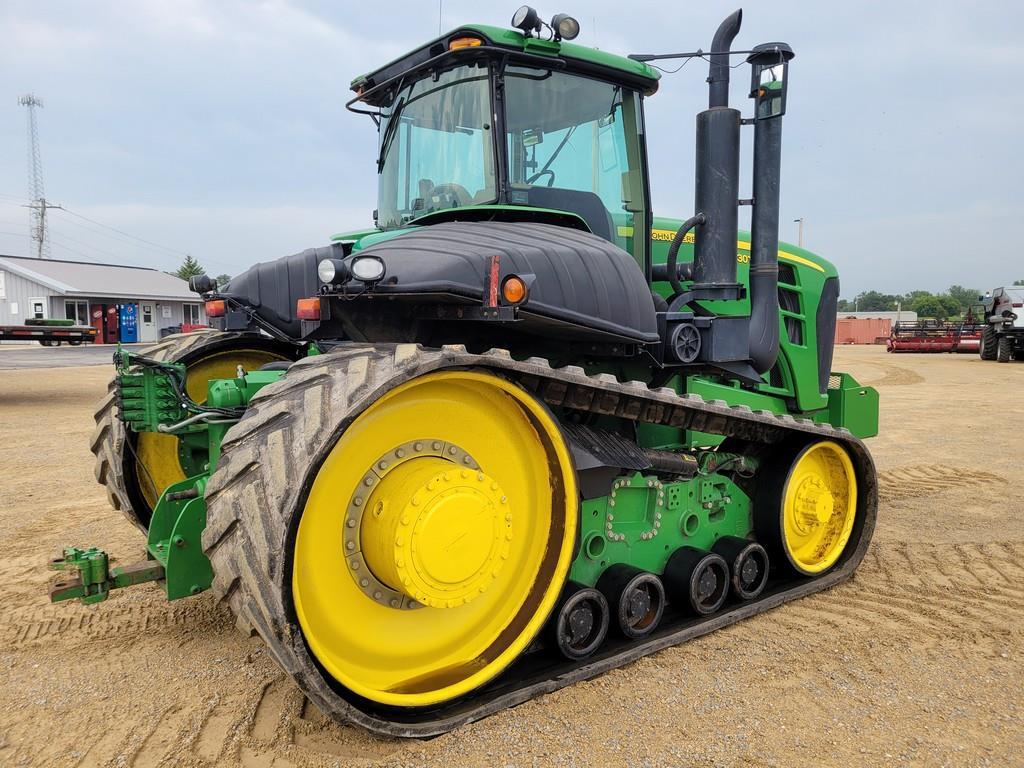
[
  {"x": 216, "y": 308},
  {"x": 457, "y": 43},
  {"x": 513, "y": 290},
  {"x": 308, "y": 309}
]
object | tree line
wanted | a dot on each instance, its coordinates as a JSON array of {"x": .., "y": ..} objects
[{"x": 954, "y": 302}]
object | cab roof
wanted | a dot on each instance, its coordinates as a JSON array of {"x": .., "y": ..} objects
[{"x": 576, "y": 58}]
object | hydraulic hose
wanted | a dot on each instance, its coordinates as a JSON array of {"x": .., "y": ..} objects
[{"x": 673, "y": 250}]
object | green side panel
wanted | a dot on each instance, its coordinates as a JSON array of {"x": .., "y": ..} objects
[
  {"x": 175, "y": 538},
  {"x": 802, "y": 276},
  {"x": 643, "y": 520},
  {"x": 852, "y": 406}
]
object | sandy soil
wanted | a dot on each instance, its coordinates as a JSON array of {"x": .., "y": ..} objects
[{"x": 919, "y": 660}]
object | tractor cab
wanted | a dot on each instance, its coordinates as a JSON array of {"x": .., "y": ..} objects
[{"x": 494, "y": 124}]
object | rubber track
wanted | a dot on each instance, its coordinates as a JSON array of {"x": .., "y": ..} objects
[
  {"x": 256, "y": 494},
  {"x": 108, "y": 438}
]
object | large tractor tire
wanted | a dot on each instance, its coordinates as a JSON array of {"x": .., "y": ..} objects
[
  {"x": 455, "y": 488},
  {"x": 989, "y": 342},
  {"x": 1004, "y": 349},
  {"x": 135, "y": 469}
]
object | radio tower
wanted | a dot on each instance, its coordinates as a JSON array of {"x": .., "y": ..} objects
[{"x": 37, "y": 196}]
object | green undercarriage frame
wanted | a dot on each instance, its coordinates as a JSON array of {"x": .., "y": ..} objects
[{"x": 640, "y": 522}]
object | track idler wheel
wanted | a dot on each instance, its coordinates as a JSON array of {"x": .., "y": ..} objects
[
  {"x": 580, "y": 622},
  {"x": 748, "y": 565},
  {"x": 700, "y": 578},
  {"x": 636, "y": 596}
]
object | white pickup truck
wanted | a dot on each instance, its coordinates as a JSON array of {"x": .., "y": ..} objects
[{"x": 1002, "y": 338}]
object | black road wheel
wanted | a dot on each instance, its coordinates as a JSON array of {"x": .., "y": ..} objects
[
  {"x": 580, "y": 622},
  {"x": 135, "y": 468},
  {"x": 636, "y": 597},
  {"x": 698, "y": 579},
  {"x": 748, "y": 565},
  {"x": 987, "y": 347}
]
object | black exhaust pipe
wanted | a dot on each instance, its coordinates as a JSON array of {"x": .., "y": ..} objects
[
  {"x": 718, "y": 78},
  {"x": 769, "y": 106},
  {"x": 718, "y": 172}
]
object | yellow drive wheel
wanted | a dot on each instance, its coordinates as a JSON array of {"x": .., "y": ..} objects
[
  {"x": 158, "y": 463},
  {"x": 819, "y": 505},
  {"x": 435, "y": 539}
]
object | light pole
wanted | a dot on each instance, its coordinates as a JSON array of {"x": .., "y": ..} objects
[{"x": 799, "y": 231}]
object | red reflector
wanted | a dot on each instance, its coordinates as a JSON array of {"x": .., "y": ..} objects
[
  {"x": 491, "y": 297},
  {"x": 216, "y": 308},
  {"x": 308, "y": 309}
]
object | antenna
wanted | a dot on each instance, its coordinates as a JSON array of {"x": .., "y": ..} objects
[{"x": 37, "y": 196}]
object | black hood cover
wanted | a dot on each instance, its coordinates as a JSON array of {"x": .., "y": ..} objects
[{"x": 579, "y": 278}]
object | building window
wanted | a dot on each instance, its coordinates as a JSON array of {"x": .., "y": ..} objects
[
  {"x": 192, "y": 314},
  {"x": 77, "y": 311}
]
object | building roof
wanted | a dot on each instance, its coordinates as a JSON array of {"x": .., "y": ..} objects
[{"x": 82, "y": 278}]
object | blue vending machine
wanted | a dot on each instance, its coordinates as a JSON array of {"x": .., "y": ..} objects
[{"x": 129, "y": 322}]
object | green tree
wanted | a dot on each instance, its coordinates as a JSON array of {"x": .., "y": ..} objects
[
  {"x": 873, "y": 301},
  {"x": 223, "y": 280},
  {"x": 189, "y": 268},
  {"x": 964, "y": 296},
  {"x": 843, "y": 305},
  {"x": 951, "y": 305},
  {"x": 933, "y": 306},
  {"x": 1018, "y": 282}
]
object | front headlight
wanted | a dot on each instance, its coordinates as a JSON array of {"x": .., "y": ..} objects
[
  {"x": 331, "y": 271},
  {"x": 369, "y": 269}
]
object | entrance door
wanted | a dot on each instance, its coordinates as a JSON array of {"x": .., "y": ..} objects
[
  {"x": 147, "y": 324},
  {"x": 129, "y": 322},
  {"x": 37, "y": 308}
]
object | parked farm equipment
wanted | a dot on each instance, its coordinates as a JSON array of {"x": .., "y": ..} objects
[{"x": 504, "y": 440}]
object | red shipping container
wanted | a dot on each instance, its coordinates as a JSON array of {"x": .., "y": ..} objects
[{"x": 862, "y": 330}]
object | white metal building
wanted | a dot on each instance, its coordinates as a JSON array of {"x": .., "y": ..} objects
[{"x": 98, "y": 295}]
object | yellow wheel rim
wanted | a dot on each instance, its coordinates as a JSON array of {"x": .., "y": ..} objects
[
  {"x": 157, "y": 461},
  {"x": 435, "y": 540},
  {"x": 819, "y": 507}
]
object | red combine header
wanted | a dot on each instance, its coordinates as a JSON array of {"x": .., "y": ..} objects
[{"x": 937, "y": 336}]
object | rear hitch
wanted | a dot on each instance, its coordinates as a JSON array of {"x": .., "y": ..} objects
[{"x": 94, "y": 578}]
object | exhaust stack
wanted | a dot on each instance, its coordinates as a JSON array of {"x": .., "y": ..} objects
[
  {"x": 718, "y": 174},
  {"x": 769, "y": 64}
]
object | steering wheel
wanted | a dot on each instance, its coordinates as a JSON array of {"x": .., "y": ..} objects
[
  {"x": 456, "y": 191},
  {"x": 545, "y": 172}
]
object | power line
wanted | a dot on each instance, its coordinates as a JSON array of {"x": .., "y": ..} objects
[{"x": 174, "y": 251}]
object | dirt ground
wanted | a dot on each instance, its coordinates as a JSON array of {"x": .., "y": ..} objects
[{"x": 919, "y": 660}]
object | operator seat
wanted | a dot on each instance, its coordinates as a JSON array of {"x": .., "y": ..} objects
[{"x": 586, "y": 205}]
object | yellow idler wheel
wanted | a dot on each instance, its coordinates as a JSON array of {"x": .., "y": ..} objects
[
  {"x": 435, "y": 539},
  {"x": 157, "y": 461},
  {"x": 819, "y": 505}
]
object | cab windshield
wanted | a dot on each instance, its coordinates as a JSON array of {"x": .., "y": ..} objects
[
  {"x": 436, "y": 147},
  {"x": 573, "y": 144}
]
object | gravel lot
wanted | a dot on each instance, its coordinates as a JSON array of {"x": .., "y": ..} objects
[{"x": 918, "y": 660}]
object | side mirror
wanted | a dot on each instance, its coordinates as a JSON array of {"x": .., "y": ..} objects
[{"x": 769, "y": 65}]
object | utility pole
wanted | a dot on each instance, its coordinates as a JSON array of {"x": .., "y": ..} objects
[
  {"x": 799, "y": 231},
  {"x": 37, "y": 197}
]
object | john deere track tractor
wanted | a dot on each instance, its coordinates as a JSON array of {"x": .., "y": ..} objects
[{"x": 522, "y": 430}]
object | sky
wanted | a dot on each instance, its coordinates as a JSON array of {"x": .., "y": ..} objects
[{"x": 218, "y": 129}]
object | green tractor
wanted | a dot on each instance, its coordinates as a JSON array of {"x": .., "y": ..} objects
[{"x": 521, "y": 431}]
